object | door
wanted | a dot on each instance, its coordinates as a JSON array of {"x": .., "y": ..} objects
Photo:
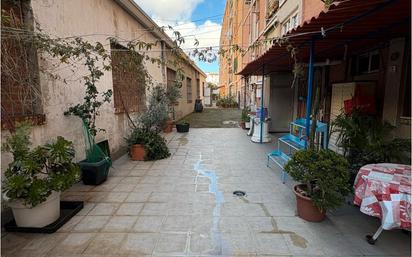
[{"x": 280, "y": 102}]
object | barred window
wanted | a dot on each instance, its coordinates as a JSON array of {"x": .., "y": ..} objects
[
  {"x": 129, "y": 76},
  {"x": 21, "y": 97},
  {"x": 189, "y": 90},
  {"x": 171, "y": 77}
]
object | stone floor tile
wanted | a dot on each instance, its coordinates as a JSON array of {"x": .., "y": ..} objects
[
  {"x": 129, "y": 209},
  {"x": 87, "y": 207},
  {"x": 148, "y": 223},
  {"x": 240, "y": 243},
  {"x": 160, "y": 197},
  {"x": 139, "y": 243},
  {"x": 131, "y": 180},
  {"x": 136, "y": 197},
  {"x": 138, "y": 173},
  {"x": 201, "y": 244},
  {"x": 124, "y": 188},
  {"x": 104, "y": 209},
  {"x": 154, "y": 209},
  {"x": 91, "y": 224},
  {"x": 115, "y": 197},
  {"x": 177, "y": 223},
  {"x": 271, "y": 244},
  {"x": 171, "y": 244},
  {"x": 120, "y": 224},
  {"x": 73, "y": 243},
  {"x": 105, "y": 244},
  {"x": 71, "y": 224},
  {"x": 104, "y": 187}
]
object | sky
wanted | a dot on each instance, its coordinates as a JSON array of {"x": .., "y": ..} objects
[{"x": 200, "y": 19}]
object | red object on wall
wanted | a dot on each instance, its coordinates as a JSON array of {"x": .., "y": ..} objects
[{"x": 363, "y": 100}]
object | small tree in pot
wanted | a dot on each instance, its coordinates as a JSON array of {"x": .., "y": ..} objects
[
  {"x": 325, "y": 181},
  {"x": 144, "y": 141},
  {"x": 34, "y": 179}
]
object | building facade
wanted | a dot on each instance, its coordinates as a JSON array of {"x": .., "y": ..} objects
[
  {"x": 253, "y": 25},
  {"x": 122, "y": 19}
]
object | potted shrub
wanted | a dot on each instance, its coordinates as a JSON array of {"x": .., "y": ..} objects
[
  {"x": 147, "y": 144},
  {"x": 324, "y": 179},
  {"x": 95, "y": 167},
  {"x": 182, "y": 126},
  {"x": 244, "y": 122},
  {"x": 34, "y": 179},
  {"x": 136, "y": 142},
  {"x": 168, "y": 126},
  {"x": 365, "y": 139}
]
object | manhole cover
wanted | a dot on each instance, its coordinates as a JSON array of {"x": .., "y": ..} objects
[{"x": 239, "y": 193}]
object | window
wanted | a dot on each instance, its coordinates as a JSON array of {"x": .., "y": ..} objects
[
  {"x": 20, "y": 88},
  {"x": 294, "y": 21},
  {"x": 129, "y": 77},
  {"x": 290, "y": 23},
  {"x": 189, "y": 90},
  {"x": 197, "y": 88},
  {"x": 204, "y": 89},
  {"x": 171, "y": 77},
  {"x": 367, "y": 63}
]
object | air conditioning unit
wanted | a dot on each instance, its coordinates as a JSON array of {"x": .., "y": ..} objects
[{"x": 248, "y": 2}]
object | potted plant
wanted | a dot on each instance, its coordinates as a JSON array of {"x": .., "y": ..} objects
[
  {"x": 147, "y": 144},
  {"x": 136, "y": 141},
  {"x": 95, "y": 167},
  {"x": 182, "y": 126},
  {"x": 324, "y": 179},
  {"x": 244, "y": 122},
  {"x": 365, "y": 139},
  {"x": 34, "y": 179}
]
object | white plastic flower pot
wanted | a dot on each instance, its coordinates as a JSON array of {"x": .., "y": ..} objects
[{"x": 39, "y": 216}]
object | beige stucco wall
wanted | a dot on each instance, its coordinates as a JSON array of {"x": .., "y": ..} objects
[
  {"x": 95, "y": 20},
  {"x": 184, "y": 108}
]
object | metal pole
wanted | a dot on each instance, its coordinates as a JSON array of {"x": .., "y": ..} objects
[
  {"x": 310, "y": 86},
  {"x": 262, "y": 112}
]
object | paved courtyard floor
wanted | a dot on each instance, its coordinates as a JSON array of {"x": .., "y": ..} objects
[{"x": 183, "y": 206}]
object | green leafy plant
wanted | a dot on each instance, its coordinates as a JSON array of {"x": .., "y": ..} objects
[
  {"x": 182, "y": 122},
  {"x": 35, "y": 173},
  {"x": 156, "y": 115},
  {"x": 227, "y": 102},
  {"x": 245, "y": 117},
  {"x": 324, "y": 174},
  {"x": 154, "y": 144},
  {"x": 365, "y": 139}
]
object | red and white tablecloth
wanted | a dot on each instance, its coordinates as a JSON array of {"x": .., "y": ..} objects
[{"x": 384, "y": 190}]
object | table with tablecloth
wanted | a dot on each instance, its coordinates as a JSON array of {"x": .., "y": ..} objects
[{"x": 384, "y": 190}]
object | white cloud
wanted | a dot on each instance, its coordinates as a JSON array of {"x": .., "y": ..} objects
[
  {"x": 177, "y": 13},
  {"x": 170, "y": 10}
]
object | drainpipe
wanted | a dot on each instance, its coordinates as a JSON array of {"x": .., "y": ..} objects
[
  {"x": 310, "y": 87},
  {"x": 262, "y": 111}
]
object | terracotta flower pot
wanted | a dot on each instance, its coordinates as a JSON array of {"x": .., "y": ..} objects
[
  {"x": 306, "y": 209},
  {"x": 242, "y": 124},
  {"x": 137, "y": 152},
  {"x": 169, "y": 127}
]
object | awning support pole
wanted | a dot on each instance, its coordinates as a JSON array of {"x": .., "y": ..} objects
[
  {"x": 310, "y": 89},
  {"x": 262, "y": 111}
]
